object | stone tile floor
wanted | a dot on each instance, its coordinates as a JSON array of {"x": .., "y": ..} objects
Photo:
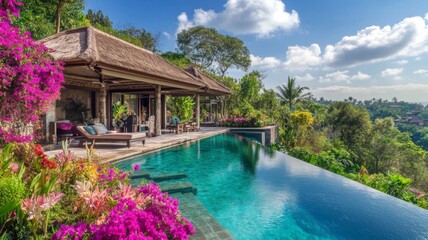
[{"x": 115, "y": 151}]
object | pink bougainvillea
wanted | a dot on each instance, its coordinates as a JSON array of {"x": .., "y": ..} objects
[{"x": 30, "y": 80}]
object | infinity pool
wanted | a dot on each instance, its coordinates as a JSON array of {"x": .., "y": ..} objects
[{"x": 258, "y": 193}]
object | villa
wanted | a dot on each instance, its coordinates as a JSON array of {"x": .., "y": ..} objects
[{"x": 100, "y": 69}]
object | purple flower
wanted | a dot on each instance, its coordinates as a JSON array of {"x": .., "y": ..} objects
[{"x": 136, "y": 167}]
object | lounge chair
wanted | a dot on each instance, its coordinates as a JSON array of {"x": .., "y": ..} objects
[{"x": 111, "y": 137}]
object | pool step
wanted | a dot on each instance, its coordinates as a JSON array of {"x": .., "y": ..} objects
[
  {"x": 140, "y": 175},
  {"x": 177, "y": 187},
  {"x": 206, "y": 225},
  {"x": 159, "y": 177}
]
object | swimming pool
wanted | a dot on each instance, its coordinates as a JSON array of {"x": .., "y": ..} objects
[{"x": 258, "y": 193}]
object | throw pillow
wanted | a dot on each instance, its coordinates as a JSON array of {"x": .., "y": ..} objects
[
  {"x": 90, "y": 130},
  {"x": 100, "y": 129}
]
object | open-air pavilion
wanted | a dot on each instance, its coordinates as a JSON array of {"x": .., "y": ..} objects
[{"x": 100, "y": 69}]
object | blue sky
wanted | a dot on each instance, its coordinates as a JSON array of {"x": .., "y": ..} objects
[{"x": 365, "y": 49}]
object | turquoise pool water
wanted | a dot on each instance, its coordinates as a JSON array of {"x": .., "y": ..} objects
[{"x": 257, "y": 193}]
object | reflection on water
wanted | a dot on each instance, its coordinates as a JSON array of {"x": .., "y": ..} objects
[{"x": 258, "y": 193}]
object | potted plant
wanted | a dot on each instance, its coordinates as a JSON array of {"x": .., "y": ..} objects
[{"x": 119, "y": 115}]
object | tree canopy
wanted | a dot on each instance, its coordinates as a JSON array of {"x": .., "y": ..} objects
[
  {"x": 39, "y": 17},
  {"x": 212, "y": 50}
]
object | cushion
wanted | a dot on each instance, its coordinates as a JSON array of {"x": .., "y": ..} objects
[
  {"x": 174, "y": 121},
  {"x": 64, "y": 125},
  {"x": 178, "y": 120},
  {"x": 90, "y": 130},
  {"x": 100, "y": 129}
]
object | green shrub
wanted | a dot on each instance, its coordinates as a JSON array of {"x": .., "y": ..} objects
[{"x": 11, "y": 188}]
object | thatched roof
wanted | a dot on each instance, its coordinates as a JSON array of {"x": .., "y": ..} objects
[
  {"x": 94, "y": 46},
  {"x": 89, "y": 45},
  {"x": 213, "y": 87}
]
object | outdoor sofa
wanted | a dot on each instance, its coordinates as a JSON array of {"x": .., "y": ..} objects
[{"x": 107, "y": 136}]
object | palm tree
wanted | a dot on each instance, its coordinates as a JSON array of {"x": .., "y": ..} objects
[{"x": 291, "y": 94}]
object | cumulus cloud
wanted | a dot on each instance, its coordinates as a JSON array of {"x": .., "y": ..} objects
[
  {"x": 339, "y": 76},
  {"x": 183, "y": 22},
  {"x": 343, "y": 76},
  {"x": 266, "y": 62},
  {"x": 400, "y": 91},
  {"x": 408, "y": 38},
  {"x": 306, "y": 77},
  {"x": 260, "y": 17},
  {"x": 301, "y": 58},
  {"x": 391, "y": 72},
  {"x": 360, "y": 76},
  {"x": 421, "y": 72}
]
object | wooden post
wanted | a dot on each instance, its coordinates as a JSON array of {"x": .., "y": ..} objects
[
  {"x": 158, "y": 118},
  {"x": 103, "y": 102},
  {"x": 198, "y": 111},
  {"x": 163, "y": 102},
  {"x": 211, "y": 111}
]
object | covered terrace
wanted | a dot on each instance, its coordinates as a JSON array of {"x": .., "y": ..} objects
[{"x": 100, "y": 69}]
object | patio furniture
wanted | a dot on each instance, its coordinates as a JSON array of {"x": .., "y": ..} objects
[
  {"x": 131, "y": 123},
  {"x": 91, "y": 135}
]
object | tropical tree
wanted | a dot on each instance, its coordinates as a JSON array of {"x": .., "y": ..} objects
[
  {"x": 98, "y": 17},
  {"x": 291, "y": 94},
  {"x": 147, "y": 40},
  {"x": 213, "y": 51},
  {"x": 44, "y": 18}
]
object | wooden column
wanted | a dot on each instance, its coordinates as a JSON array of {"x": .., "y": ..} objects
[
  {"x": 198, "y": 110},
  {"x": 158, "y": 117},
  {"x": 103, "y": 104},
  {"x": 211, "y": 111},
  {"x": 163, "y": 102}
]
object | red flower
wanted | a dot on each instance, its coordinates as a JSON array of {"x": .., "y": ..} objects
[
  {"x": 39, "y": 150},
  {"x": 49, "y": 164}
]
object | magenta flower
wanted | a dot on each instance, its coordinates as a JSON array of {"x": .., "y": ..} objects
[{"x": 136, "y": 167}]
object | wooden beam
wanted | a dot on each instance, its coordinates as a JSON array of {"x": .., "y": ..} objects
[{"x": 158, "y": 81}]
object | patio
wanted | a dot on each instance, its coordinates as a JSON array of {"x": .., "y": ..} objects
[
  {"x": 101, "y": 70},
  {"x": 110, "y": 152}
]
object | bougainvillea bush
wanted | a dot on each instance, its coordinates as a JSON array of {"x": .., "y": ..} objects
[
  {"x": 67, "y": 197},
  {"x": 240, "y": 122},
  {"x": 30, "y": 80}
]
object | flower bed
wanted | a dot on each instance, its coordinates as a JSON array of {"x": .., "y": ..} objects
[
  {"x": 78, "y": 198},
  {"x": 240, "y": 122}
]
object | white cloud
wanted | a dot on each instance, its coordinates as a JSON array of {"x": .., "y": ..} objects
[
  {"x": 260, "y": 17},
  {"x": 421, "y": 72},
  {"x": 408, "y": 38},
  {"x": 183, "y": 22},
  {"x": 402, "y": 62},
  {"x": 266, "y": 62},
  {"x": 360, "y": 76},
  {"x": 391, "y": 72},
  {"x": 167, "y": 35},
  {"x": 338, "y": 76},
  {"x": 306, "y": 77},
  {"x": 301, "y": 58},
  {"x": 400, "y": 91}
]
